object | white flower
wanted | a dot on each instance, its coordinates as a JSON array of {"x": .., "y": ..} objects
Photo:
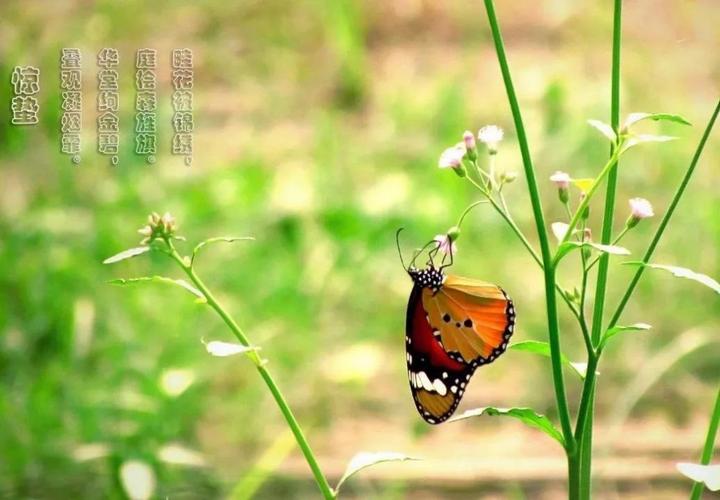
[
  {"x": 491, "y": 135},
  {"x": 445, "y": 244},
  {"x": 452, "y": 157},
  {"x": 640, "y": 208},
  {"x": 560, "y": 179}
]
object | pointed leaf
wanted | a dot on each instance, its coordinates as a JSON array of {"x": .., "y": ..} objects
[
  {"x": 706, "y": 474},
  {"x": 611, "y": 249},
  {"x": 126, "y": 254},
  {"x": 366, "y": 459},
  {"x": 559, "y": 229},
  {"x": 604, "y": 129},
  {"x": 633, "y": 118},
  {"x": 682, "y": 272},
  {"x": 620, "y": 329},
  {"x": 160, "y": 279},
  {"x": 224, "y": 349},
  {"x": 226, "y": 239},
  {"x": 634, "y": 140},
  {"x": 543, "y": 349},
  {"x": 527, "y": 415},
  {"x": 569, "y": 246}
]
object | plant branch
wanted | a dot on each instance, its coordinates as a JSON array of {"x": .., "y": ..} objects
[
  {"x": 320, "y": 478},
  {"x": 548, "y": 268},
  {"x": 666, "y": 218}
]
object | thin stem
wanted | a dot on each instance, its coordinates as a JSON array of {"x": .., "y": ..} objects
[
  {"x": 583, "y": 295},
  {"x": 607, "y": 168},
  {"x": 320, "y": 478},
  {"x": 666, "y": 218},
  {"x": 548, "y": 268},
  {"x": 584, "y": 422},
  {"x": 707, "y": 453},
  {"x": 615, "y": 242},
  {"x": 502, "y": 209}
]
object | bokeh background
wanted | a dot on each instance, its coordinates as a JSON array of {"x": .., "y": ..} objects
[{"x": 318, "y": 127}]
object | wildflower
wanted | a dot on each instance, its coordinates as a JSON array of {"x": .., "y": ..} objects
[
  {"x": 452, "y": 158},
  {"x": 562, "y": 182},
  {"x": 158, "y": 227},
  {"x": 491, "y": 135},
  {"x": 446, "y": 244},
  {"x": 640, "y": 209}
]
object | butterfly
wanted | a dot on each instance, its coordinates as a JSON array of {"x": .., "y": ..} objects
[{"x": 453, "y": 326}]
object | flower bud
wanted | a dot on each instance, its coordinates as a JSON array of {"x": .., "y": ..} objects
[
  {"x": 158, "y": 226},
  {"x": 508, "y": 177},
  {"x": 446, "y": 244},
  {"x": 562, "y": 182},
  {"x": 469, "y": 141},
  {"x": 453, "y": 158}
]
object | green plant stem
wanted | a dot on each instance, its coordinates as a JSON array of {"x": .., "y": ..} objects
[
  {"x": 320, "y": 478},
  {"x": 709, "y": 447},
  {"x": 615, "y": 242},
  {"x": 607, "y": 168},
  {"x": 502, "y": 209},
  {"x": 666, "y": 218},
  {"x": 548, "y": 268},
  {"x": 584, "y": 425}
]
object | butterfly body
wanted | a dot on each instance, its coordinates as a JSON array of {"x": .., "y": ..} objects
[{"x": 453, "y": 326}]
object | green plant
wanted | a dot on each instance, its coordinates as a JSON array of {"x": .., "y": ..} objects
[
  {"x": 159, "y": 235},
  {"x": 573, "y": 235}
]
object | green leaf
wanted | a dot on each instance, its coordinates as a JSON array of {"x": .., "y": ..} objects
[
  {"x": 543, "y": 349},
  {"x": 682, "y": 272},
  {"x": 709, "y": 475},
  {"x": 620, "y": 329},
  {"x": 226, "y": 239},
  {"x": 604, "y": 129},
  {"x": 366, "y": 459},
  {"x": 126, "y": 254},
  {"x": 633, "y": 118},
  {"x": 634, "y": 140},
  {"x": 161, "y": 279},
  {"x": 527, "y": 415},
  {"x": 569, "y": 246}
]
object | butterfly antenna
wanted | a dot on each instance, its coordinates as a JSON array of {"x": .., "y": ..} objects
[{"x": 397, "y": 242}]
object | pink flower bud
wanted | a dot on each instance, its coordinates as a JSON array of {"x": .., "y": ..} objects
[{"x": 469, "y": 140}]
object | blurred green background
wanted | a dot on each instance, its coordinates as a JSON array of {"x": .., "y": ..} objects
[{"x": 318, "y": 127}]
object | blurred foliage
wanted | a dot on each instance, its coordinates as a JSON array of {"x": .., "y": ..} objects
[{"x": 318, "y": 128}]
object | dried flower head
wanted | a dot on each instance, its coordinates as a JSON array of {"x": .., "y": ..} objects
[
  {"x": 158, "y": 226},
  {"x": 491, "y": 135},
  {"x": 446, "y": 244}
]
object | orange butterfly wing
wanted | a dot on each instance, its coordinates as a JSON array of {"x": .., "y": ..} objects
[{"x": 475, "y": 319}]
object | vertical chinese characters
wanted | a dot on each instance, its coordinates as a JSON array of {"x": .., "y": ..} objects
[
  {"x": 146, "y": 103},
  {"x": 108, "y": 103},
  {"x": 182, "y": 102},
  {"x": 71, "y": 103},
  {"x": 24, "y": 105}
]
